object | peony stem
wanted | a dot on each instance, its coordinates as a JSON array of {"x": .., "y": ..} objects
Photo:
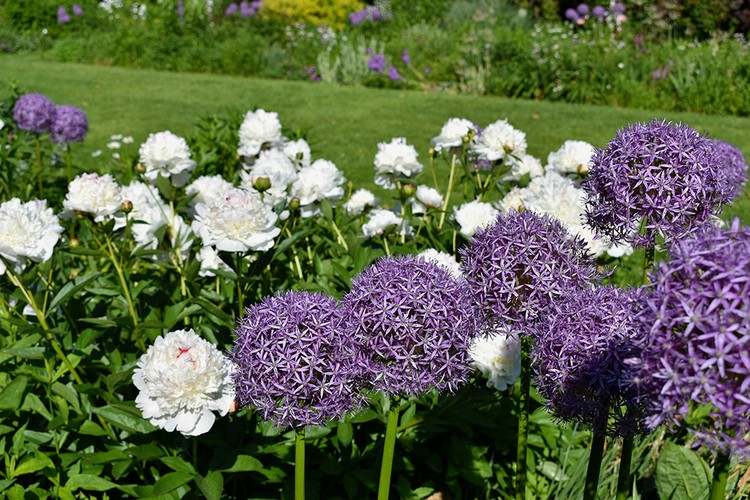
[
  {"x": 299, "y": 464},
  {"x": 595, "y": 457},
  {"x": 448, "y": 192},
  {"x": 385, "y": 246},
  {"x": 523, "y": 425},
  {"x": 389, "y": 445},
  {"x": 719, "y": 482},
  {"x": 623, "y": 477},
  {"x": 123, "y": 283}
]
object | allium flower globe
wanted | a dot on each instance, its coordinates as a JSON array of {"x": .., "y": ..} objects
[
  {"x": 359, "y": 201},
  {"x": 69, "y": 125},
  {"x": 279, "y": 169},
  {"x": 320, "y": 181},
  {"x": 732, "y": 169},
  {"x": 453, "y": 134},
  {"x": 395, "y": 160},
  {"x": 208, "y": 189},
  {"x": 442, "y": 259},
  {"x": 183, "y": 380},
  {"x": 497, "y": 356},
  {"x": 380, "y": 221},
  {"x": 94, "y": 194},
  {"x": 473, "y": 216},
  {"x": 500, "y": 140},
  {"x": 573, "y": 157},
  {"x": 34, "y": 113},
  {"x": 259, "y": 128},
  {"x": 28, "y": 233},
  {"x": 165, "y": 154}
]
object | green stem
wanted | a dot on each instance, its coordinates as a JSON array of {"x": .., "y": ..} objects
[
  {"x": 523, "y": 425},
  {"x": 623, "y": 477},
  {"x": 595, "y": 457},
  {"x": 123, "y": 282},
  {"x": 386, "y": 466},
  {"x": 299, "y": 465},
  {"x": 721, "y": 471},
  {"x": 385, "y": 246},
  {"x": 648, "y": 262},
  {"x": 448, "y": 192}
]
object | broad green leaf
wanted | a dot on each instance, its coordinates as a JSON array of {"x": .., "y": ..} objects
[
  {"x": 89, "y": 482},
  {"x": 31, "y": 464},
  {"x": 90, "y": 428},
  {"x": 171, "y": 481},
  {"x": 178, "y": 465},
  {"x": 126, "y": 417},
  {"x": 33, "y": 403},
  {"x": 344, "y": 433},
  {"x": 680, "y": 474},
  {"x": 12, "y": 394},
  {"x": 71, "y": 288},
  {"x": 211, "y": 485},
  {"x": 245, "y": 463}
]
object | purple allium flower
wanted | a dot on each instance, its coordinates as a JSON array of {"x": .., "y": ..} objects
[
  {"x": 246, "y": 9},
  {"x": 700, "y": 328},
  {"x": 358, "y": 17},
  {"x": 580, "y": 356},
  {"x": 34, "y": 112},
  {"x": 516, "y": 267},
  {"x": 62, "y": 15},
  {"x": 180, "y": 9},
  {"x": 70, "y": 124},
  {"x": 290, "y": 354},
  {"x": 657, "y": 175},
  {"x": 373, "y": 13},
  {"x": 231, "y": 9},
  {"x": 583, "y": 9},
  {"x": 599, "y": 12},
  {"x": 376, "y": 63},
  {"x": 312, "y": 73},
  {"x": 77, "y": 10},
  {"x": 412, "y": 324},
  {"x": 571, "y": 15},
  {"x": 406, "y": 57},
  {"x": 393, "y": 73},
  {"x": 618, "y": 8},
  {"x": 732, "y": 169}
]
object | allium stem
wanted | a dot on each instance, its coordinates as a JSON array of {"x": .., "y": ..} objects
[
  {"x": 448, "y": 192},
  {"x": 595, "y": 457},
  {"x": 299, "y": 464},
  {"x": 648, "y": 263},
  {"x": 523, "y": 425},
  {"x": 721, "y": 471},
  {"x": 623, "y": 477},
  {"x": 389, "y": 445}
]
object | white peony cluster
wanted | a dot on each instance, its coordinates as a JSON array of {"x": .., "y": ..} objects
[
  {"x": 380, "y": 221},
  {"x": 499, "y": 141},
  {"x": 573, "y": 157},
  {"x": 473, "y": 216},
  {"x": 498, "y": 357},
  {"x": 444, "y": 260},
  {"x": 359, "y": 201},
  {"x": 320, "y": 181},
  {"x": 298, "y": 152},
  {"x": 239, "y": 222},
  {"x": 165, "y": 154},
  {"x": 277, "y": 168},
  {"x": 453, "y": 133},
  {"x": 28, "y": 232},
  {"x": 524, "y": 165},
  {"x": 183, "y": 380},
  {"x": 259, "y": 128},
  {"x": 98, "y": 195},
  {"x": 395, "y": 160},
  {"x": 207, "y": 189}
]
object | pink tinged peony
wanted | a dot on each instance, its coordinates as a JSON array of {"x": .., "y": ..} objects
[{"x": 28, "y": 233}]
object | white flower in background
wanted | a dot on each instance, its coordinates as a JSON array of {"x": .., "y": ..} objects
[
  {"x": 394, "y": 160},
  {"x": 513, "y": 200},
  {"x": 429, "y": 197},
  {"x": 498, "y": 357},
  {"x": 207, "y": 189},
  {"x": 211, "y": 262},
  {"x": 166, "y": 155},
  {"x": 573, "y": 157},
  {"x": 473, "y": 216},
  {"x": 179, "y": 233},
  {"x": 96, "y": 154},
  {"x": 524, "y": 165},
  {"x": 240, "y": 222},
  {"x": 148, "y": 216},
  {"x": 2, "y": 124},
  {"x": 298, "y": 152},
  {"x": 258, "y": 129},
  {"x": 359, "y": 201},
  {"x": 113, "y": 145},
  {"x": 320, "y": 181},
  {"x": 98, "y": 195},
  {"x": 183, "y": 380},
  {"x": 498, "y": 141},
  {"x": 452, "y": 134},
  {"x": 379, "y": 221},
  {"x": 110, "y": 5},
  {"x": 28, "y": 232},
  {"x": 442, "y": 259},
  {"x": 128, "y": 139},
  {"x": 279, "y": 169}
]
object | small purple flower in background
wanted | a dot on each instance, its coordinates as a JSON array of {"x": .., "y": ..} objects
[
  {"x": 312, "y": 73},
  {"x": 373, "y": 13},
  {"x": 246, "y": 10},
  {"x": 357, "y": 18},
  {"x": 406, "y": 57},
  {"x": 393, "y": 74},
  {"x": 370, "y": 13},
  {"x": 376, "y": 63},
  {"x": 180, "y": 9},
  {"x": 231, "y": 9},
  {"x": 599, "y": 12},
  {"x": 77, "y": 10},
  {"x": 571, "y": 15},
  {"x": 732, "y": 169},
  {"x": 70, "y": 125},
  {"x": 583, "y": 9},
  {"x": 62, "y": 15},
  {"x": 34, "y": 113},
  {"x": 618, "y": 8}
]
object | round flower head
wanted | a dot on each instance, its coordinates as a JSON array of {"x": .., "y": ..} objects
[
  {"x": 298, "y": 152},
  {"x": 208, "y": 189},
  {"x": 698, "y": 354},
  {"x": 381, "y": 220},
  {"x": 294, "y": 360},
  {"x": 522, "y": 166},
  {"x": 69, "y": 125},
  {"x": 359, "y": 201},
  {"x": 656, "y": 175},
  {"x": 473, "y": 216},
  {"x": 497, "y": 356},
  {"x": 428, "y": 197},
  {"x": 320, "y": 181},
  {"x": 98, "y": 195},
  {"x": 148, "y": 216},
  {"x": 395, "y": 160},
  {"x": 166, "y": 155},
  {"x": 442, "y": 259},
  {"x": 259, "y": 128},
  {"x": 34, "y": 112},
  {"x": 453, "y": 134},
  {"x": 732, "y": 169},
  {"x": 182, "y": 380},
  {"x": 28, "y": 232},
  {"x": 411, "y": 323},
  {"x": 581, "y": 353},
  {"x": 516, "y": 267},
  {"x": 278, "y": 168},
  {"x": 573, "y": 157},
  {"x": 500, "y": 140}
]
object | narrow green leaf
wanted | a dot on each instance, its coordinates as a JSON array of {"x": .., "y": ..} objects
[
  {"x": 126, "y": 417},
  {"x": 88, "y": 482},
  {"x": 71, "y": 288},
  {"x": 12, "y": 394},
  {"x": 171, "y": 481},
  {"x": 31, "y": 464}
]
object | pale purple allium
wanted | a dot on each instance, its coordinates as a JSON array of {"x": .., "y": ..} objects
[
  {"x": 698, "y": 356},
  {"x": 358, "y": 17},
  {"x": 293, "y": 361},
  {"x": 393, "y": 74},
  {"x": 571, "y": 15},
  {"x": 246, "y": 9},
  {"x": 369, "y": 13},
  {"x": 658, "y": 177},
  {"x": 77, "y": 10},
  {"x": 583, "y": 9},
  {"x": 406, "y": 57},
  {"x": 70, "y": 125},
  {"x": 62, "y": 15},
  {"x": 312, "y": 73},
  {"x": 732, "y": 169},
  {"x": 599, "y": 12},
  {"x": 618, "y": 8},
  {"x": 376, "y": 63},
  {"x": 231, "y": 9},
  {"x": 412, "y": 323},
  {"x": 516, "y": 267},
  {"x": 34, "y": 112},
  {"x": 580, "y": 356}
]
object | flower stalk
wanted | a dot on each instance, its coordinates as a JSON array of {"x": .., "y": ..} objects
[
  {"x": 451, "y": 176},
  {"x": 299, "y": 464},
  {"x": 389, "y": 446},
  {"x": 523, "y": 425},
  {"x": 721, "y": 472},
  {"x": 596, "y": 455}
]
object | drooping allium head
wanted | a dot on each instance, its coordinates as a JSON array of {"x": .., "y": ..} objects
[
  {"x": 659, "y": 175},
  {"x": 412, "y": 324},
  {"x": 732, "y": 169},
  {"x": 699, "y": 316},
  {"x": 34, "y": 112},
  {"x": 521, "y": 263},
  {"x": 294, "y": 361},
  {"x": 70, "y": 124},
  {"x": 581, "y": 352}
]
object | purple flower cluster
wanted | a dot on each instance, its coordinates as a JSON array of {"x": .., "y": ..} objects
[
  {"x": 581, "y": 353},
  {"x": 582, "y": 13},
  {"x": 34, "y": 113},
  {"x": 293, "y": 360},
  {"x": 370, "y": 13},
  {"x": 697, "y": 358},
  {"x": 412, "y": 323},
  {"x": 70, "y": 125},
  {"x": 244, "y": 9},
  {"x": 62, "y": 15},
  {"x": 77, "y": 10},
  {"x": 732, "y": 169},
  {"x": 658, "y": 177},
  {"x": 376, "y": 63},
  {"x": 519, "y": 265}
]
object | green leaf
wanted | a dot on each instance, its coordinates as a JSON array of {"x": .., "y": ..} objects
[
  {"x": 681, "y": 474},
  {"x": 89, "y": 482},
  {"x": 245, "y": 463},
  {"x": 211, "y": 485},
  {"x": 90, "y": 428},
  {"x": 344, "y": 432},
  {"x": 126, "y": 417},
  {"x": 178, "y": 465},
  {"x": 33, "y": 464},
  {"x": 12, "y": 395},
  {"x": 33, "y": 403},
  {"x": 171, "y": 481},
  {"x": 71, "y": 288}
]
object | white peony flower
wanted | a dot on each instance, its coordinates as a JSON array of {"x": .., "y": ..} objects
[
  {"x": 208, "y": 189},
  {"x": 28, "y": 232},
  {"x": 379, "y": 221},
  {"x": 525, "y": 165},
  {"x": 394, "y": 160},
  {"x": 211, "y": 262},
  {"x": 444, "y": 260},
  {"x": 473, "y": 216},
  {"x": 148, "y": 216},
  {"x": 182, "y": 380},
  {"x": 298, "y": 152},
  {"x": 166, "y": 155},
  {"x": 279, "y": 169},
  {"x": 573, "y": 157},
  {"x": 258, "y": 129},
  {"x": 500, "y": 140},
  {"x": 359, "y": 201},
  {"x": 320, "y": 181},
  {"x": 98, "y": 195},
  {"x": 429, "y": 197},
  {"x": 238, "y": 223},
  {"x": 452, "y": 134},
  {"x": 179, "y": 232},
  {"x": 513, "y": 200},
  {"x": 498, "y": 357}
]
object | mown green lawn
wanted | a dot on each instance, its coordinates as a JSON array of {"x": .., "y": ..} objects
[{"x": 343, "y": 124}]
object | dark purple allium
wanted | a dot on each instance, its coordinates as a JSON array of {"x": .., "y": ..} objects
[
  {"x": 698, "y": 357},
  {"x": 62, "y": 15},
  {"x": 70, "y": 125},
  {"x": 618, "y": 8},
  {"x": 732, "y": 169},
  {"x": 583, "y": 9},
  {"x": 571, "y": 15},
  {"x": 412, "y": 323},
  {"x": 517, "y": 266},
  {"x": 658, "y": 177},
  {"x": 580, "y": 356},
  {"x": 77, "y": 10},
  {"x": 406, "y": 57},
  {"x": 376, "y": 63},
  {"x": 599, "y": 12},
  {"x": 232, "y": 9},
  {"x": 393, "y": 74},
  {"x": 290, "y": 353},
  {"x": 34, "y": 112}
]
